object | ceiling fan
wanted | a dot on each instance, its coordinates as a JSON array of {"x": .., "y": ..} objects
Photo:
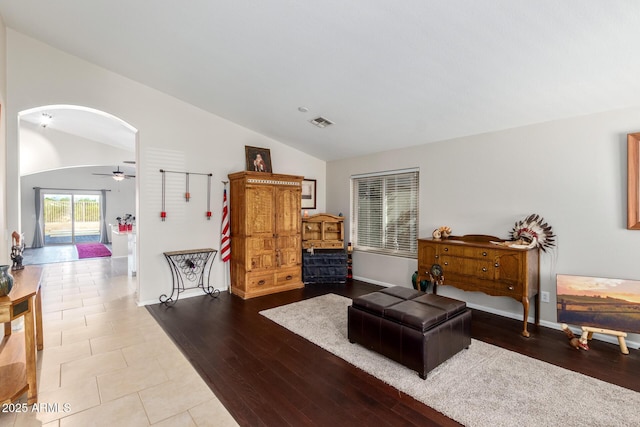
[{"x": 117, "y": 175}]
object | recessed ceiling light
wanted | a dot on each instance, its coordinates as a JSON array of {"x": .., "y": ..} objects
[{"x": 45, "y": 120}]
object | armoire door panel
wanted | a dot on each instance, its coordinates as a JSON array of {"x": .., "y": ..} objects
[
  {"x": 288, "y": 215},
  {"x": 260, "y": 210}
]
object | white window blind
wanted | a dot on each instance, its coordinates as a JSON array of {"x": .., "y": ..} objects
[{"x": 384, "y": 215}]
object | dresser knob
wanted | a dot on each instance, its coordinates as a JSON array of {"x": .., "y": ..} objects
[
  {"x": 484, "y": 254},
  {"x": 484, "y": 269},
  {"x": 446, "y": 249},
  {"x": 261, "y": 282},
  {"x": 437, "y": 256},
  {"x": 496, "y": 265},
  {"x": 510, "y": 288},
  {"x": 446, "y": 263},
  {"x": 289, "y": 277}
]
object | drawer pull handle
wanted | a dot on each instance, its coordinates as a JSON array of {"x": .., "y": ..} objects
[
  {"x": 484, "y": 254},
  {"x": 484, "y": 269},
  {"x": 289, "y": 277},
  {"x": 261, "y": 282}
]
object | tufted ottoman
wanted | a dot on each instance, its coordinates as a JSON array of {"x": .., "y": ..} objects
[{"x": 416, "y": 329}]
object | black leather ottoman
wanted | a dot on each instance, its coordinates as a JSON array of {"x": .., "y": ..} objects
[{"x": 416, "y": 329}]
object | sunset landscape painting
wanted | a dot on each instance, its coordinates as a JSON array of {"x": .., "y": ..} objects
[{"x": 599, "y": 302}]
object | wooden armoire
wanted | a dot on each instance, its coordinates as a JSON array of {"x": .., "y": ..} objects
[{"x": 266, "y": 241}]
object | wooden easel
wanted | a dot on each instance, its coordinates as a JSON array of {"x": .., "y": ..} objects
[{"x": 587, "y": 334}]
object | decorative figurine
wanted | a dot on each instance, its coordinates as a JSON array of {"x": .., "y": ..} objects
[
  {"x": 580, "y": 344},
  {"x": 16, "y": 251},
  {"x": 441, "y": 232},
  {"x": 445, "y": 231}
]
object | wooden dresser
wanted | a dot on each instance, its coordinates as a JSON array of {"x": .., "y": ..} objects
[
  {"x": 266, "y": 247},
  {"x": 472, "y": 263}
]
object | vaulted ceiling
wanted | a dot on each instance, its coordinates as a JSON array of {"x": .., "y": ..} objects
[{"x": 387, "y": 74}]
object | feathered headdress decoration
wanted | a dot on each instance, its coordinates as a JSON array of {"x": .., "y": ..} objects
[{"x": 535, "y": 231}]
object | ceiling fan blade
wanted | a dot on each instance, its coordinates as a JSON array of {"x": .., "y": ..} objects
[
  {"x": 130, "y": 162},
  {"x": 102, "y": 174}
]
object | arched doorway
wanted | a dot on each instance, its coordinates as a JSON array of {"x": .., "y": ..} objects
[{"x": 71, "y": 152}]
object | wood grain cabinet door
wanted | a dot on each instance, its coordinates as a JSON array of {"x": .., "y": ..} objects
[
  {"x": 260, "y": 228},
  {"x": 509, "y": 274},
  {"x": 288, "y": 226},
  {"x": 261, "y": 253},
  {"x": 427, "y": 256},
  {"x": 260, "y": 210}
]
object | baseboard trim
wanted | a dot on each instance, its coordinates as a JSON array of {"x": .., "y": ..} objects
[{"x": 189, "y": 293}]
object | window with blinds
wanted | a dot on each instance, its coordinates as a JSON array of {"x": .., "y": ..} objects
[{"x": 384, "y": 217}]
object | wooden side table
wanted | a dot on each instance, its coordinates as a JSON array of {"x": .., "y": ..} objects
[{"x": 18, "y": 350}]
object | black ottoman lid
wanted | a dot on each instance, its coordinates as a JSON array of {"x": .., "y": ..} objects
[
  {"x": 402, "y": 292},
  {"x": 416, "y": 315},
  {"x": 375, "y": 302},
  {"x": 449, "y": 305}
]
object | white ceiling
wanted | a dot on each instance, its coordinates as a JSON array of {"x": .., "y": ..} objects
[
  {"x": 389, "y": 74},
  {"x": 88, "y": 123}
]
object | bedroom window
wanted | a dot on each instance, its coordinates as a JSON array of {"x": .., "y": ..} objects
[{"x": 384, "y": 217}]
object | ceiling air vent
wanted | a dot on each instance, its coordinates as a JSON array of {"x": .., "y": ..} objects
[{"x": 321, "y": 122}]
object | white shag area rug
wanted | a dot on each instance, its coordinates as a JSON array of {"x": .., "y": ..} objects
[{"x": 484, "y": 385}]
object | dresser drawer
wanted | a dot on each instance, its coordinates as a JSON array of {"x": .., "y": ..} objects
[
  {"x": 259, "y": 281},
  {"x": 467, "y": 252},
  {"x": 287, "y": 276},
  {"x": 498, "y": 288}
]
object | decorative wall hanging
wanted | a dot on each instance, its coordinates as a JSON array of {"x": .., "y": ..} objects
[
  {"x": 187, "y": 194},
  {"x": 208, "y": 198},
  {"x": 308, "y": 194},
  {"x": 258, "y": 159},
  {"x": 163, "y": 213}
]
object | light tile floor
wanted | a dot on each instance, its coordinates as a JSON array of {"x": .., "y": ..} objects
[{"x": 106, "y": 361}]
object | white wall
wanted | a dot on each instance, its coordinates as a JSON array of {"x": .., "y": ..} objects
[
  {"x": 5, "y": 242},
  {"x": 572, "y": 172},
  {"x": 172, "y": 135}
]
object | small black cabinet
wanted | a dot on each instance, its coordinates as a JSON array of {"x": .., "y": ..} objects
[{"x": 325, "y": 266}]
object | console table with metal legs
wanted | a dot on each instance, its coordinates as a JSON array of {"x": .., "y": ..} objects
[{"x": 190, "y": 267}]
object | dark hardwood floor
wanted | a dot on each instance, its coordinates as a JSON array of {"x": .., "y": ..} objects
[{"x": 268, "y": 376}]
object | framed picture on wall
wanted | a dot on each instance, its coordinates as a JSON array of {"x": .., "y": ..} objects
[
  {"x": 308, "y": 193},
  {"x": 258, "y": 159}
]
